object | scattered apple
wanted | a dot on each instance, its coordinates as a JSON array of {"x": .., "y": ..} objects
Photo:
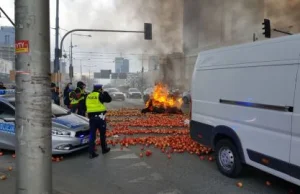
[
  {"x": 239, "y": 184},
  {"x": 268, "y": 183},
  {"x": 9, "y": 168},
  {"x": 14, "y": 155},
  {"x": 141, "y": 155},
  {"x": 3, "y": 177},
  {"x": 1, "y": 153}
]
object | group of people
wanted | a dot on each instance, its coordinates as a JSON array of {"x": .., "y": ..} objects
[{"x": 90, "y": 105}]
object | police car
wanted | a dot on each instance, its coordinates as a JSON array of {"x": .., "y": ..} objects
[{"x": 70, "y": 132}]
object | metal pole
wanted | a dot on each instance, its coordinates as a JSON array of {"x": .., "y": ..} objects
[
  {"x": 71, "y": 60},
  {"x": 56, "y": 51},
  {"x": 80, "y": 70},
  {"x": 33, "y": 121}
]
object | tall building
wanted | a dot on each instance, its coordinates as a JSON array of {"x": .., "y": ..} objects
[
  {"x": 7, "y": 36},
  {"x": 121, "y": 65},
  {"x": 7, "y": 39}
]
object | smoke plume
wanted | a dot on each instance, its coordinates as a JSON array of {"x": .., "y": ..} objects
[{"x": 284, "y": 14}]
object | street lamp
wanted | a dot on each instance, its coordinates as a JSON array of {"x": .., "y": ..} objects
[{"x": 71, "y": 53}]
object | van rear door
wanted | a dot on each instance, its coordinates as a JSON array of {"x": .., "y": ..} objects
[{"x": 295, "y": 143}]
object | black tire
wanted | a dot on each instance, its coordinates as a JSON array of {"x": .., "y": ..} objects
[{"x": 236, "y": 165}]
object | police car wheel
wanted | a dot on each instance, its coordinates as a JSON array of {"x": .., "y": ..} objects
[{"x": 227, "y": 158}]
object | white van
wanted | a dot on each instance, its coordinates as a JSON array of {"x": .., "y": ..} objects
[{"x": 246, "y": 106}]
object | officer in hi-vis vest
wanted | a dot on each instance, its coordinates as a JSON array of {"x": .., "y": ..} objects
[{"x": 96, "y": 112}]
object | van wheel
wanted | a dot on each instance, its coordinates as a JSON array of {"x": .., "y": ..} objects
[{"x": 228, "y": 160}]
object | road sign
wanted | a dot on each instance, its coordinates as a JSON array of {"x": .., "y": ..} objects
[
  {"x": 114, "y": 76},
  {"x": 97, "y": 75},
  {"x": 105, "y": 74},
  {"x": 22, "y": 46}
]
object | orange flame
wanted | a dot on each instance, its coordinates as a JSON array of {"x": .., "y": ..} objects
[{"x": 161, "y": 98}]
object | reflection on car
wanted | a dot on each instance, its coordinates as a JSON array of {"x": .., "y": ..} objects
[{"x": 70, "y": 132}]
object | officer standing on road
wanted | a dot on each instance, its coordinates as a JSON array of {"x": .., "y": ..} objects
[
  {"x": 96, "y": 112},
  {"x": 80, "y": 93}
]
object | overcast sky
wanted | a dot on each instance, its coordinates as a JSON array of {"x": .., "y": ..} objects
[{"x": 104, "y": 14}]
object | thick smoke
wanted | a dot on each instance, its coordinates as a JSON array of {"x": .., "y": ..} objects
[
  {"x": 165, "y": 16},
  {"x": 284, "y": 14}
]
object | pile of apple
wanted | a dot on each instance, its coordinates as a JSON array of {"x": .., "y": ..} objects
[
  {"x": 124, "y": 112},
  {"x": 124, "y": 130},
  {"x": 153, "y": 121}
]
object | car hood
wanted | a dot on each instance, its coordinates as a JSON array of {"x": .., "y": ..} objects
[
  {"x": 116, "y": 93},
  {"x": 134, "y": 92},
  {"x": 70, "y": 122}
]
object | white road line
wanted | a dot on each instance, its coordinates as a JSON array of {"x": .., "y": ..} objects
[
  {"x": 152, "y": 177},
  {"x": 170, "y": 191},
  {"x": 127, "y": 156},
  {"x": 119, "y": 150},
  {"x": 139, "y": 164}
]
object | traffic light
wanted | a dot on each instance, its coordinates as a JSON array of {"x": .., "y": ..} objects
[
  {"x": 148, "y": 31},
  {"x": 71, "y": 73},
  {"x": 267, "y": 28}
]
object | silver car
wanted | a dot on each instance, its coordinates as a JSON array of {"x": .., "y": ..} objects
[{"x": 70, "y": 132}]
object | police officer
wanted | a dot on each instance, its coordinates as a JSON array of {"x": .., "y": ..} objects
[
  {"x": 77, "y": 99},
  {"x": 80, "y": 92},
  {"x": 96, "y": 112}
]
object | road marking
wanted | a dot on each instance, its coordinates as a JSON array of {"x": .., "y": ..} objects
[
  {"x": 139, "y": 164},
  {"x": 170, "y": 191},
  {"x": 127, "y": 156},
  {"x": 118, "y": 150},
  {"x": 153, "y": 177},
  {"x": 137, "y": 180}
]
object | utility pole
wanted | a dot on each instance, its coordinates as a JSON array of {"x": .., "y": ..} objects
[
  {"x": 56, "y": 53},
  {"x": 33, "y": 121}
]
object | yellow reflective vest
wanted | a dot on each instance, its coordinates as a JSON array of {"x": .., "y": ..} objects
[
  {"x": 74, "y": 100},
  {"x": 93, "y": 103}
]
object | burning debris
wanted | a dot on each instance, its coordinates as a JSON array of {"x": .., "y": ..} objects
[{"x": 161, "y": 101}]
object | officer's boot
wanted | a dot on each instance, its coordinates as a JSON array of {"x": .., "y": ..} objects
[
  {"x": 105, "y": 149},
  {"x": 93, "y": 155}
]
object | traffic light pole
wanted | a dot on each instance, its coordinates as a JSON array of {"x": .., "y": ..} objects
[
  {"x": 147, "y": 33},
  {"x": 33, "y": 98}
]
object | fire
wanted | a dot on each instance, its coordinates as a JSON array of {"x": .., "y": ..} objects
[{"x": 161, "y": 98}]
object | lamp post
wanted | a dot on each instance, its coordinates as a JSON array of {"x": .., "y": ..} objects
[{"x": 71, "y": 53}]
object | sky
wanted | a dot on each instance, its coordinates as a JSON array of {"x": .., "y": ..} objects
[{"x": 97, "y": 52}]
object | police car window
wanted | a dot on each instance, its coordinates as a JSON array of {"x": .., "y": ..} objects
[{"x": 6, "y": 111}]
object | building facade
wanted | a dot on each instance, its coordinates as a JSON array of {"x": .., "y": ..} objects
[
  {"x": 7, "y": 36},
  {"x": 121, "y": 65},
  {"x": 209, "y": 24}
]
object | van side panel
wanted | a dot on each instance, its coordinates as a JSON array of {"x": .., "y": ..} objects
[
  {"x": 295, "y": 144},
  {"x": 260, "y": 128}
]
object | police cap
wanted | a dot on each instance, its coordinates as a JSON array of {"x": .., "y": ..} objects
[{"x": 98, "y": 86}]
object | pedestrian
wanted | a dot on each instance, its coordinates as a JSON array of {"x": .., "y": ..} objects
[
  {"x": 67, "y": 91},
  {"x": 55, "y": 94},
  {"x": 96, "y": 113}
]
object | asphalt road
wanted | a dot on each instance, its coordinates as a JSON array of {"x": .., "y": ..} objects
[{"x": 125, "y": 172}]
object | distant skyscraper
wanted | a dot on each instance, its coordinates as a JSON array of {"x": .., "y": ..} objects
[
  {"x": 7, "y": 36},
  {"x": 121, "y": 65}
]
